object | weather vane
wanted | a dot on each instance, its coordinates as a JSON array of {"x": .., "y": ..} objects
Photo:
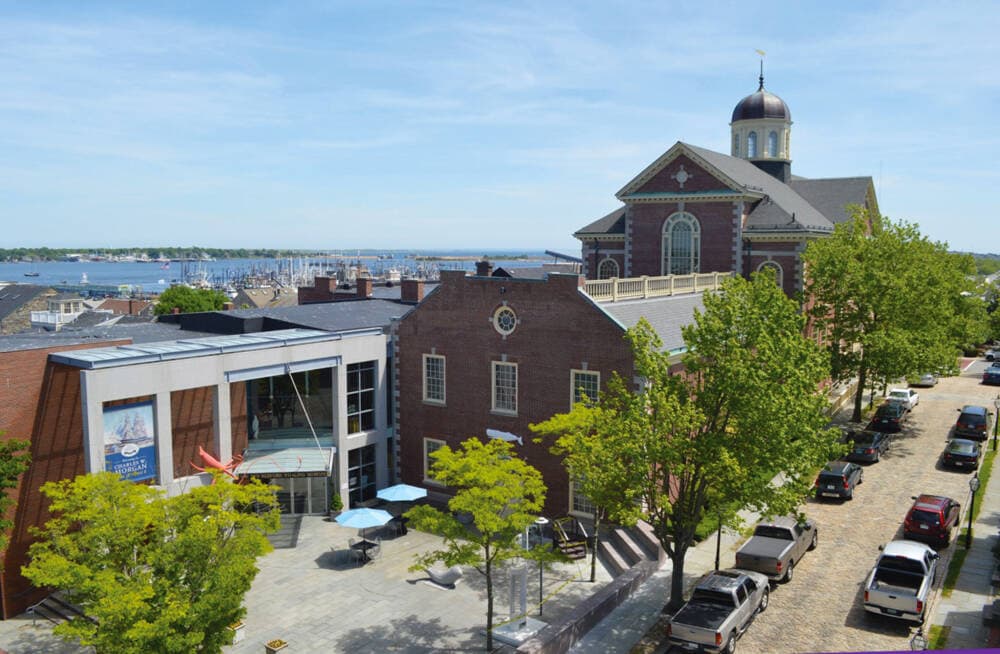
[{"x": 761, "y": 53}]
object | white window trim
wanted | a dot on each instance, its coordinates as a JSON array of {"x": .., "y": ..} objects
[
  {"x": 570, "y": 509},
  {"x": 427, "y": 473},
  {"x": 666, "y": 242},
  {"x": 572, "y": 382},
  {"x": 444, "y": 376},
  {"x": 493, "y": 388},
  {"x": 779, "y": 276},
  {"x": 601, "y": 265}
]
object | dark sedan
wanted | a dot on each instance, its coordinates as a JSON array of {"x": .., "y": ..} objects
[
  {"x": 962, "y": 453},
  {"x": 888, "y": 418},
  {"x": 869, "y": 446}
]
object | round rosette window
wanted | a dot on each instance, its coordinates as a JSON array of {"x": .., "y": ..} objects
[{"x": 504, "y": 320}]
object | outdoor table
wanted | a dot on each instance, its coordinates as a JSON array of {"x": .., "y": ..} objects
[{"x": 399, "y": 524}]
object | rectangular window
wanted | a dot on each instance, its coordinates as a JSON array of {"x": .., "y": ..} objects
[
  {"x": 434, "y": 379},
  {"x": 431, "y": 445},
  {"x": 360, "y": 397},
  {"x": 584, "y": 384},
  {"x": 580, "y": 504},
  {"x": 504, "y": 387},
  {"x": 361, "y": 474}
]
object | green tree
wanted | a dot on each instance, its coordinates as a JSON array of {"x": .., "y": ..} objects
[
  {"x": 152, "y": 573},
  {"x": 14, "y": 460},
  {"x": 598, "y": 474},
  {"x": 890, "y": 302},
  {"x": 189, "y": 300},
  {"x": 746, "y": 409},
  {"x": 502, "y": 494}
]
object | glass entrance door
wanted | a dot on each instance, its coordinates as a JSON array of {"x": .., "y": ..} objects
[{"x": 301, "y": 495}]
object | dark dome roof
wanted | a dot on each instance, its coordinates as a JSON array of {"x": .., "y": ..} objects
[{"x": 761, "y": 105}]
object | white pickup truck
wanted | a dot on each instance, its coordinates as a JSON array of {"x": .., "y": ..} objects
[{"x": 901, "y": 582}]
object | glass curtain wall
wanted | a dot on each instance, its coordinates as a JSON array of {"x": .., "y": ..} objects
[{"x": 275, "y": 413}]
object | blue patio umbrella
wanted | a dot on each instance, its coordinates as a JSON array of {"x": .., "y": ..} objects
[
  {"x": 401, "y": 493},
  {"x": 363, "y": 519}
]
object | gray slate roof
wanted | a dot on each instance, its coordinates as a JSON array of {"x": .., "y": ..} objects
[
  {"x": 666, "y": 315},
  {"x": 332, "y": 316},
  {"x": 15, "y": 296},
  {"x": 830, "y": 196},
  {"x": 804, "y": 204}
]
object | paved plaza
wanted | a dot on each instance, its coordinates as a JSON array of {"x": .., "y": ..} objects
[{"x": 317, "y": 599}]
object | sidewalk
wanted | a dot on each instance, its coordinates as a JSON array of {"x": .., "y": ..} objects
[{"x": 962, "y": 612}]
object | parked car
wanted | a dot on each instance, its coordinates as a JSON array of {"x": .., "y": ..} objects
[
  {"x": 776, "y": 546},
  {"x": 869, "y": 446},
  {"x": 888, "y": 417},
  {"x": 932, "y": 518},
  {"x": 838, "y": 479},
  {"x": 962, "y": 453},
  {"x": 722, "y": 606},
  {"x": 926, "y": 380},
  {"x": 908, "y": 397},
  {"x": 991, "y": 376},
  {"x": 900, "y": 583},
  {"x": 992, "y": 354},
  {"x": 973, "y": 422}
]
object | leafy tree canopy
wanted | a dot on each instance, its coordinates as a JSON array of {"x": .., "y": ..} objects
[
  {"x": 189, "y": 300},
  {"x": 501, "y": 494},
  {"x": 890, "y": 302},
  {"x": 155, "y": 573}
]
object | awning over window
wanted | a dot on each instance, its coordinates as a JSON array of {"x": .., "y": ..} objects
[{"x": 288, "y": 462}]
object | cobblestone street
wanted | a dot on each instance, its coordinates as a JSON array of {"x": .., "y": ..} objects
[{"x": 821, "y": 610}]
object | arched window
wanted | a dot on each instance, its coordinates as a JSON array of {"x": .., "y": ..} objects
[
  {"x": 752, "y": 144},
  {"x": 773, "y": 269},
  {"x": 681, "y": 245},
  {"x": 772, "y": 144},
  {"x": 607, "y": 269},
  {"x": 736, "y": 145}
]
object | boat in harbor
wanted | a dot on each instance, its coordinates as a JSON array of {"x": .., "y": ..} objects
[
  {"x": 31, "y": 274},
  {"x": 83, "y": 279}
]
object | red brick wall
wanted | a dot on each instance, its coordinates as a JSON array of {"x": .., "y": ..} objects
[
  {"x": 718, "y": 235},
  {"x": 698, "y": 179},
  {"x": 558, "y": 329},
  {"x": 784, "y": 254}
]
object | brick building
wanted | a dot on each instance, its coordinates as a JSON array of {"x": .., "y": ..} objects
[
  {"x": 489, "y": 354},
  {"x": 695, "y": 210}
]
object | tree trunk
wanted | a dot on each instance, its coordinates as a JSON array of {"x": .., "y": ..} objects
[
  {"x": 859, "y": 394},
  {"x": 676, "y": 580},
  {"x": 593, "y": 553},
  {"x": 489, "y": 604}
]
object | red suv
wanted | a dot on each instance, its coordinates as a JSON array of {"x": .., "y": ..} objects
[{"x": 932, "y": 518}]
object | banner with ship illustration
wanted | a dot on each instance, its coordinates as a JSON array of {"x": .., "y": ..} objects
[{"x": 129, "y": 446}]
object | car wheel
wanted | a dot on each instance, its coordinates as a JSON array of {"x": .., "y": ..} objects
[
  {"x": 788, "y": 572},
  {"x": 731, "y": 644},
  {"x": 764, "y": 600},
  {"x": 815, "y": 541}
]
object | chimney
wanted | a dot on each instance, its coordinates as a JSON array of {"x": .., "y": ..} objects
[
  {"x": 228, "y": 306},
  {"x": 412, "y": 291},
  {"x": 364, "y": 287},
  {"x": 451, "y": 276},
  {"x": 484, "y": 268}
]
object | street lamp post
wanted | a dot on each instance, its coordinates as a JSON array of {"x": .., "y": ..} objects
[
  {"x": 540, "y": 523},
  {"x": 996, "y": 420},
  {"x": 973, "y": 487}
]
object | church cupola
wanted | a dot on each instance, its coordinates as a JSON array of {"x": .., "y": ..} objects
[{"x": 761, "y": 132}]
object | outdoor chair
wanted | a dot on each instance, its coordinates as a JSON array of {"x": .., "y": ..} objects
[
  {"x": 447, "y": 578},
  {"x": 358, "y": 554},
  {"x": 375, "y": 552}
]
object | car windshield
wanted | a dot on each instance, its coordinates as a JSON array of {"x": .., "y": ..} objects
[
  {"x": 926, "y": 517},
  {"x": 962, "y": 447},
  {"x": 889, "y": 410},
  {"x": 972, "y": 419},
  {"x": 831, "y": 477},
  {"x": 899, "y": 395}
]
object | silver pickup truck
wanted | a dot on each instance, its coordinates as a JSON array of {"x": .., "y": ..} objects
[
  {"x": 776, "y": 546},
  {"x": 722, "y": 606},
  {"x": 900, "y": 584}
]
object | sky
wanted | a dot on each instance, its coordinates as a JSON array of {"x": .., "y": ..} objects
[{"x": 466, "y": 125}]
